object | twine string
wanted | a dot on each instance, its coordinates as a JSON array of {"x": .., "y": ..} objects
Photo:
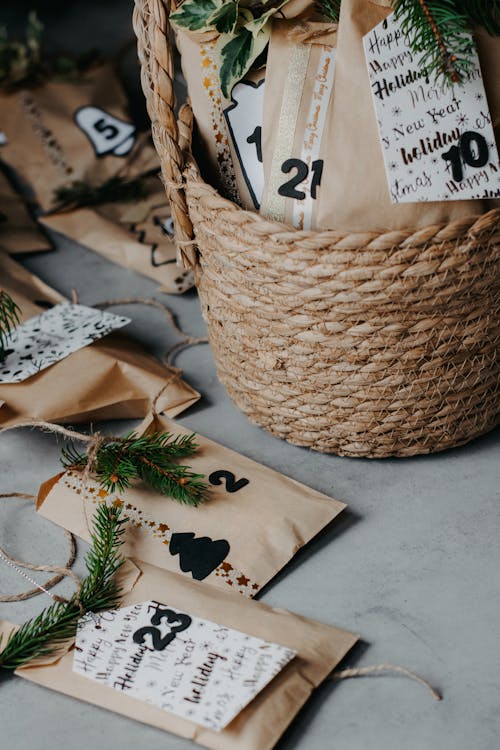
[
  {"x": 18, "y": 565},
  {"x": 379, "y": 670}
]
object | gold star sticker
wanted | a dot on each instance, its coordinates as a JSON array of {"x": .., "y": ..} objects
[
  {"x": 163, "y": 527},
  {"x": 118, "y": 503},
  {"x": 103, "y": 493},
  {"x": 243, "y": 581},
  {"x": 226, "y": 567}
]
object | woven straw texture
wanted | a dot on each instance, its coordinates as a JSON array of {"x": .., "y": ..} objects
[{"x": 357, "y": 344}]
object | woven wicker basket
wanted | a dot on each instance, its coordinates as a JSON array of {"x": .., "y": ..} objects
[{"x": 357, "y": 344}]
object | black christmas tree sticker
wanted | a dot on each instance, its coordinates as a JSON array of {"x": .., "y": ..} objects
[{"x": 201, "y": 556}]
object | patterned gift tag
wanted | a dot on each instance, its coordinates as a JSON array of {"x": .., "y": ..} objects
[
  {"x": 52, "y": 336},
  {"x": 192, "y": 667},
  {"x": 438, "y": 141}
]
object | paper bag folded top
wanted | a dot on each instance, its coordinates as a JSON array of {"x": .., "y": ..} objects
[
  {"x": 111, "y": 379},
  {"x": 259, "y": 726},
  {"x": 73, "y": 131},
  {"x": 253, "y": 523},
  {"x": 354, "y": 185},
  {"x": 138, "y": 235}
]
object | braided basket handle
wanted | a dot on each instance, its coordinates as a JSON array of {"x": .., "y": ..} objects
[{"x": 155, "y": 53}]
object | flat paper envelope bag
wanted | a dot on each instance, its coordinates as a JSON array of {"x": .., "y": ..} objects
[
  {"x": 111, "y": 379},
  {"x": 260, "y": 725},
  {"x": 253, "y": 523}
]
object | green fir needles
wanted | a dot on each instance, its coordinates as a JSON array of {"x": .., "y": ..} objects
[
  {"x": 329, "y": 9},
  {"x": 42, "y": 635},
  {"x": 9, "y": 318},
  {"x": 438, "y": 31},
  {"x": 114, "y": 190},
  {"x": 152, "y": 457}
]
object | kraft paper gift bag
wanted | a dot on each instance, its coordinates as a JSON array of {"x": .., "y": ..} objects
[
  {"x": 319, "y": 648},
  {"x": 227, "y": 159},
  {"x": 228, "y": 140},
  {"x": 136, "y": 235},
  {"x": 354, "y": 194},
  {"x": 73, "y": 131},
  {"x": 253, "y": 523},
  {"x": 300, "y": 85},
  {"x": 111, "y": 379},
  {"x": 19, "y": 233}
]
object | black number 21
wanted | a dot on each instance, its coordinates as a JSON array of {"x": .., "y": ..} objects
[{"x": 289, "y": 188}]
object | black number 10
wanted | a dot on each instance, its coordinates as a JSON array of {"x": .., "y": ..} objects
[{"x": 465, "y": 153}]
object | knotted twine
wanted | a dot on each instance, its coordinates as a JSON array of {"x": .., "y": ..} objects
[{"x": 94, "y": 442}]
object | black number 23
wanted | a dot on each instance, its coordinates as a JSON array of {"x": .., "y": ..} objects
[
  {"x": 289, "y": 188},
  {"x": 177, "y": 621}
]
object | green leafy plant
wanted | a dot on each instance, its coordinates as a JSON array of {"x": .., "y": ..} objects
[
  {"x": 151, "y": 457},
  {"x": 244, "y": 28},
  {"x": 42, "y": 635},
  {"x": 23, "y": 62},
  {"x": 18, "y": 60},
  {"x": 438, "y": 32},
  {"x": 9, "y": 318}
]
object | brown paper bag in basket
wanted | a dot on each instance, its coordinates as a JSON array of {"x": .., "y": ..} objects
[
  {"x": 111, "y": 379},
  {"x": 62, "y": 132},
  {"x": 139, "y": 235},
  {"x": 354, "y": 193},
  {"x": 297, "y": 104},
  {"x": 254, "y": 522},
  {"x": 19, "y": 233},
  {"x": 259, "y": 726}
]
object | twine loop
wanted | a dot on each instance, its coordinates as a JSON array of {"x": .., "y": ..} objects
[{"x": 20, "y": 565}]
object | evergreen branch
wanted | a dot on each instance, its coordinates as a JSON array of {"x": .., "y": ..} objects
[
  {"x": 80, "y": 193},
  {"x": 438, "y": 31},
  {"x": 42, "y": 635},
  {"x": 151, "y": 457},
  {"x": 9, "y": 318},
  {"x": 481, "y": 13},
  {"x": 330, "y": 9}
]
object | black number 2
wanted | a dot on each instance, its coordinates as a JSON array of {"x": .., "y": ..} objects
[
  {"x": 232, "y": 484},
  {"x": 464, "y": 152},
  {"x": 161, "y": 642},
  {"x": 289, "y": 188}
]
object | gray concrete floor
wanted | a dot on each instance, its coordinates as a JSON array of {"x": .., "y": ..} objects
[{"x": 412, "y": 565}]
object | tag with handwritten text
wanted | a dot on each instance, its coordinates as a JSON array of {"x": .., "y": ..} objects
[
  {"x": 194, "y": 668},
  {"x": 53, "y": 335},
  {"x": 438, "y": 140}
]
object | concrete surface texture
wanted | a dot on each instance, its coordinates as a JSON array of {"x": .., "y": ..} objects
[{"x": 412, "y": 565}]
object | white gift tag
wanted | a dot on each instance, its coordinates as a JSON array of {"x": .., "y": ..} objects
[
  {"x": 438, "y": 141},
  {"x": 194, "y": 668},
  {"x": 244, "y": 118},
  {"x": 107, "y": 134},
  {"x": 52, "y": 336}
]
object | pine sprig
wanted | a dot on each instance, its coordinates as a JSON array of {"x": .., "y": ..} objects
[
  {"x": 439, "y": 33},
  {"x": 9, "y": 318},
  {"x": 80, "y": 193},
  {"x": 152, "y": 457},
  {"x": 330, "y": 9},
  {"x": 41, "y": 636}
]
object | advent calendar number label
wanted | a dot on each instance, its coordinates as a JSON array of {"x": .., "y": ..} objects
[
  {"x": 244, "y": 119},
  {"x": 106, "y": 133},
  {"x": 232, "y": 484},
  {"x": 438, "y": 141},
  {"x": 289, "y": 189},
  {"x": 177, "y": 621},
  {"x": 472, "y": 150}
]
